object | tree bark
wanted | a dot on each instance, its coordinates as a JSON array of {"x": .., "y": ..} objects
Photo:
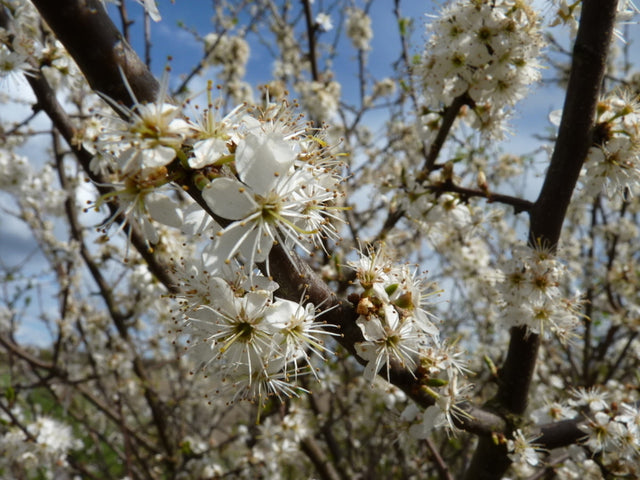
[{"x": 588, "y": 66}]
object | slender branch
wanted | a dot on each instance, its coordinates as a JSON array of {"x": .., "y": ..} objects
[
  {"x": 126, "y": 23},
  {"x": 443, "y": 468},
  {"x": 55, "y": 371},
  {"x": 519, "y": 204},
  {"x": 323, "y": 466},
  {"x": 311, "y": 37},
  {"x": 147, "y": 40},
  {"x": 16, "y": 422},
  {"x": 449, "y": 116},
  {"x": 182, "y": 88}
]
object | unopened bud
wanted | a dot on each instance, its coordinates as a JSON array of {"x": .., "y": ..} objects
[{"x": 482, "y": 182}]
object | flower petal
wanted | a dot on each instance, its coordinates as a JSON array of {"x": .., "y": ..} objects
[
  {"x": 229, "y": 199},
  {"x": 261, "y": 159},
  {"x": 164, "y": 210}
]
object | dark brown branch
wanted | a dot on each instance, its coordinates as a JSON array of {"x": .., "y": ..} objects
[
  {"x": 519, "y": 204},
  {"x": 576, "y": 127},
  {"x": 449, "y": 116},
  {"x": 311, "y": 37},
  {"x": 560, "y": 434},
  {"x": 548, "y": 213},
  {"x": 97, "y": 46},
  {"x": 147, "y": 40},
  {"x": 441, "y": 465}
]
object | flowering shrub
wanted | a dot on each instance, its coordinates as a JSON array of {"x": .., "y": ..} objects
[{"x": 224, "y": 282}]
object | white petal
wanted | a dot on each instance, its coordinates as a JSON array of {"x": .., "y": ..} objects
[
  {"x": 372, "y": 329},
  {"x": 164, "y": 210},
  {"x": 261, "y": 159},
  {"x": 158, "y": 156},
  {"x": 149, "y": 231},
  {"x": 130, "y": 160},
  {"x": 255, "y": 302},
  {"x": 197, "y": 221},
  {"x": 257, "y": 250},
  {"x": 555, "y": 117},
  {"x": 243, "y": 240},
  {"x": 229, "y": 199},
  {"x": 152, "y": 9},
  {"x": 206, "y": 152}
]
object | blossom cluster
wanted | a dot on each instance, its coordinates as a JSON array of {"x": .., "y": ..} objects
[
  {"x": 359, "y": 28},
  {"x": 487, "y": 50},
  {"x": 249, "y": 341},
  {"x": 264, "y": 179},
  {"x": 531, "y": 294},
  {"x": 219, "y": 194},
  {"x": 565, "y": 12},
  {"x": 397, "y": 326},
  {"x": 42, "y": 447},
  {"x": 523, "y": 453},
  {"x": 391, "y": 313},
  {"x": 320, "y": 99},
  {"x": 612, "y": 165},
  {"x": 230, "y": 53},
  {"x": 612, "y": 430}
]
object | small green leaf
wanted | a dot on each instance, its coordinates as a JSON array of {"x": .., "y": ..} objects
[
  {"x": 391, "y": 288},
  {"x": 437, "y": 382}
]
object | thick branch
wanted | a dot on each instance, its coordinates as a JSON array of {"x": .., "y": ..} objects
[
  {"x": 99, "y": 49},
  {"x": 548, "y": 212},
  {"x": 578, "y": 117}
]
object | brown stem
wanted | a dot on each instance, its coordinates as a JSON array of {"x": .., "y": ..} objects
[
  {"x": 560, "y": 434},
  {"x": 311, "y": 36},
  {"x": 320, "y": 461},
  {"x": 55, "y": 371},
  {"x": 124, "y": 18},
  {"x": 441, "y": 465},
  {"x": 519, "y": 204},
  {"x": 448, "y": 117}
]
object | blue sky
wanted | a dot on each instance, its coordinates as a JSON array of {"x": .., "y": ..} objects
[{"x": 169, "y": 40}]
